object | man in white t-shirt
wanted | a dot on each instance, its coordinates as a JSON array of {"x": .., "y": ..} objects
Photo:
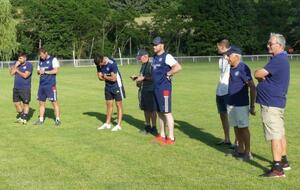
[{"x": 222, "y": 90}]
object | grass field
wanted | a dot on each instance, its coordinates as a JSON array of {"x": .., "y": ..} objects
[{"x": 77, "y": 156}]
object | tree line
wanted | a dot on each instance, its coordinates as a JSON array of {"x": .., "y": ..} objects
[{"x": 188, "y": 27}]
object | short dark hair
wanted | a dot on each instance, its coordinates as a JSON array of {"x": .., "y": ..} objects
[
  {"x": 22, "y": 54},
  {"x": 42, "y": 50},
  {"x": 98, "y": 59}
]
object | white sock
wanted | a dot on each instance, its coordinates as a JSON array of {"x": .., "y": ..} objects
[
  {"x": 41, "y": 119},
  {"x": 57, "y": 119}
]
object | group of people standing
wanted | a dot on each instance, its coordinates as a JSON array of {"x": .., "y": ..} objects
[
  {"x": 47, "y": 69},
  {"x": 155, "y": 90},
  {"x": 234, "y": 104}
]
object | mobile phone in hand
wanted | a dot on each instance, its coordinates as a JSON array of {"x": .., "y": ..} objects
[{"x": 133, "y": 77}]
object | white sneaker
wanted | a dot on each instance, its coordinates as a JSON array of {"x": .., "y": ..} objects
[
  {"x": 104, "y": 126},
  {"x": 117, "y": 128},
  {"x": 24, "y": 121},
  {"x": 19, "y": 120}
]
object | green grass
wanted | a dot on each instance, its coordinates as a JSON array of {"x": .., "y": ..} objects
[{"x": 77, "y": 156}]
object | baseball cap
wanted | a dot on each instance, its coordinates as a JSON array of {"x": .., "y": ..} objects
[
  {"x": 157, "y": 40},
  {"x": 141, "y": 53},
  {"x": 233, "y": 49}
]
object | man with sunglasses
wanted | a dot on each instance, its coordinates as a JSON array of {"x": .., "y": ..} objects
[
  {"x": 164, "y": 66},
  {"x": 271, "y": 95}
]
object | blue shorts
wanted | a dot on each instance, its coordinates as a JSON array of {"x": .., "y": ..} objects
[
  {"x": 163, "y": 99},
  {"x": 117, "y": 94},
  {"x": 222, "y": 103},
  {"x": 47, "y": 92}
]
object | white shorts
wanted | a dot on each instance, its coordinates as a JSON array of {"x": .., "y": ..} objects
[{"x": 238, "y": 116}]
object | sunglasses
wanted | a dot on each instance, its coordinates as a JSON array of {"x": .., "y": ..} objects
[{"x": 271, "y": 44}]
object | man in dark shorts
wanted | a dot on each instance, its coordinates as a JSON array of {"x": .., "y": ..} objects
[
  {"x": 107, "y": 70},
  {"x": 47, "y": 68},
  {"x": 146, "y": 96},
  {"x": 164, "y": 67},
  {"x": 22, "y": 70},
  {"x": 222, "y": 90}
]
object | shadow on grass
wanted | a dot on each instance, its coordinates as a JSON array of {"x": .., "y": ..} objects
[
  {"x": 49, "y": 113},
  {"x": 30, "y": 113},
  {"x": 139, "y": 124},
  {"x": 99, "y": 116},
  {"x": 200, "y": 135},
  {"x": 210, "y": 140}
]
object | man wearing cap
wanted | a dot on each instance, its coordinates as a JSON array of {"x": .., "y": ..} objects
[
  {"x": 272, "y": 88},
  {"x": 107, "y": 70},
  {"x": 240, "y": 80},
  {"x": 164, "y": 66},
  {"x": 222, "y": 90},
  {"x": 22, "y": 70},
  {"x": 146, "y": 96}
]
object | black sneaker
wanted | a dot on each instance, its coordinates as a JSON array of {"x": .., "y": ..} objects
[
  {"x": 153, "y": 131},
  {"x": 285, "y": 166},
  {"x": 274, "y": 173},
  {"x": 223, "y": 143},
  {"x": 57, "y": 123},
  {"x": 246, "y": 157},
  {"x": 233, "y": 146},
  {"x": 238, "y": 155},
  {"x": 38, "y": 122},
  {"x": 146, "y": 130}
]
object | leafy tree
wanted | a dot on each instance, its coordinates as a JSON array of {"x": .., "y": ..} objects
[
  {"x": 192, "y": 28},
  {"x": 272, "y": 16},
  {"x": 8, "y": 43},
  {"x": 294, "y": 37}
]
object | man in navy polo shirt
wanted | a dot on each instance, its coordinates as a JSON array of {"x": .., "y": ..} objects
[
  {"x": 164, "y": 66},
  {"x": 22, "y": 70},
  {"x": 240, "y": 80},
  {"x": 107, "y": 70},
  {"x": 271, "y": 95},
  {"x": 47, "y": 69}
]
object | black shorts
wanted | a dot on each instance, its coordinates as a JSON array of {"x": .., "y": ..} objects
[
  {"x": 117, "y": 94},
  {"x": 222, "y": 102},
  {"x": 22, "y": 95},
  {"x": 147, "y": 100}
]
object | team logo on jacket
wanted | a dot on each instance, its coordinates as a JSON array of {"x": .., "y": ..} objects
[
  {"x": 24, "y": 67},
  {"x": 48, "y": 62},
  {"x": 160, "y": 59},
  {"x": 237, "y": 73},
  {"x": 155, "y": 66},
  {"x": 107, "y": 68}
]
